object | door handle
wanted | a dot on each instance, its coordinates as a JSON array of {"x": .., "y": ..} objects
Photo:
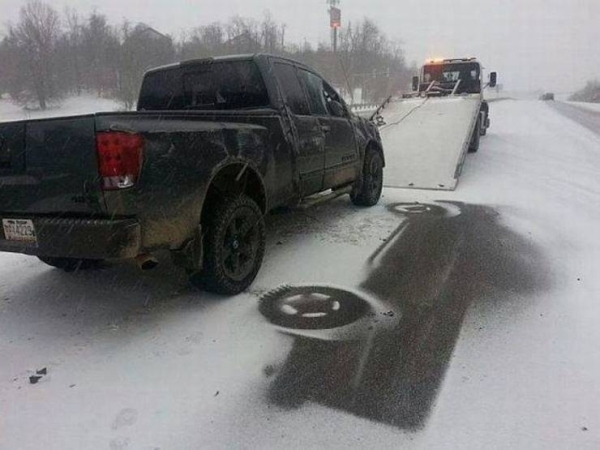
[{"x": 326, "y": 128}]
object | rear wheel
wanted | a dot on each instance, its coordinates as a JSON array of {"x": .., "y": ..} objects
[
  {"x": 71, "y": 264},
  {"x": 368, "y": 190},
  {"x": 234, "y": 246}
]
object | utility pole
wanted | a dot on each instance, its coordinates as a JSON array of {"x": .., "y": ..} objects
[
  {"x": 335, "y": 21},
  {"x": 335, "y": 40}
]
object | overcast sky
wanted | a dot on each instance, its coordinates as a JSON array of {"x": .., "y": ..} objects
[{"x": 546, "y": 44}]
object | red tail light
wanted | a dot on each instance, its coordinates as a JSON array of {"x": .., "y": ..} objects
[{"x": 120, "y": 158}]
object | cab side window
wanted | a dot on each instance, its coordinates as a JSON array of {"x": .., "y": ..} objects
[
  {"x": 316, "y": 93},
  {"x": 332, "y": 96},
  {"x": 292, "y": 90}
]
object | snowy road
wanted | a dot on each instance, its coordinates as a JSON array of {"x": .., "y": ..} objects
[
  {"x": 473, "y": 323},
  {"x": 580, "y": 114}
]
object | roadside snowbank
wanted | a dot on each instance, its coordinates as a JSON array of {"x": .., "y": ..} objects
[{"x": 586, "y": 105}]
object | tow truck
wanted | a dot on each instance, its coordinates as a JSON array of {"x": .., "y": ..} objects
[{"x": 434, "y": 127}]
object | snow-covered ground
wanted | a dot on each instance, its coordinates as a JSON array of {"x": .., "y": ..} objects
[
  {"x": 71, "y": 106},
  {"x": 495, "y": 291},
  {"x": 595, "y": 107}
]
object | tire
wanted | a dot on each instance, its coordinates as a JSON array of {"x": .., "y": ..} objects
[
  {"x": 474, "y": 144},
  {"x": 368, "y": 190},
  {"x": 71, "y": 264},
  {"x": 484, "y": 126},
  {"x": 234, "y": 246}
]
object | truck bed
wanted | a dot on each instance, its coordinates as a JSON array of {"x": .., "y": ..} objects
[{"x": 426, "y": 140}]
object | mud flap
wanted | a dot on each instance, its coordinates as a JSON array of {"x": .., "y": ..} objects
[{"x": 191, "y": 255}]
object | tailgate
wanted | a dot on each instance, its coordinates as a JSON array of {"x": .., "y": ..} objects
[{"x": 49, "y": 167}]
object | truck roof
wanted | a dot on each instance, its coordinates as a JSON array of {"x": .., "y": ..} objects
[
  {"x": 451, "y": 60},
  {"x": 241, "y": 57}
]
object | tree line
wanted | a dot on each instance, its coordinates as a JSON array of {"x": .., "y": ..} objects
[
  {"x": 589, "y": 93},
  {"x": 47, "y": 55}
]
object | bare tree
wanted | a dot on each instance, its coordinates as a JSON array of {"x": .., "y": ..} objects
[
  {"x": 90, "y": 54},
  {"x": 270, "y": 34},
  {"x": 143, "y": 48},
  {"x": 99, "y": 53},
  {"x": 36, "y": 35},
  {"x": 74, "y": 44},
  {"x": 370, "y": 61}
]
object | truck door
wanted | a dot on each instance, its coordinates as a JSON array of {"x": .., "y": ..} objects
[
  {"x": 310, "y": 139},
  {"x": 341, "y": 155}
]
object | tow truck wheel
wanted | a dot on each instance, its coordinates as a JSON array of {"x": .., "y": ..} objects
[
  {"x": 484, "y": 125},
  {"x": 71, "y": 264},
  {"x": 368, "y": 190},
  {"x": 234, "y": 246},
  {"x": 474, "y": 144}
]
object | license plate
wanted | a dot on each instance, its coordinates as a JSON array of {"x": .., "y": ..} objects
[{"x": 19, "y": 230}]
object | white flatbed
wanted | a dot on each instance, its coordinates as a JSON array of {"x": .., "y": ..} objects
[{"x": 426, "y": 140}]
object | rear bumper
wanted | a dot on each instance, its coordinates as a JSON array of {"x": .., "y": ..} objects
[{"x": 79, "y": 238}]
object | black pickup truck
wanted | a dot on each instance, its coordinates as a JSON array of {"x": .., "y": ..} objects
[{"x": 214, "y": 145}]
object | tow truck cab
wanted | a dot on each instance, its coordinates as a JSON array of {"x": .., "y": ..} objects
[
  {"x": 457, "y": 76},
  {"x": 443, "y": 77}
]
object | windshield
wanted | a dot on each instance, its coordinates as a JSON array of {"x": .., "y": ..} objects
[{"x": 451, "y": 73}]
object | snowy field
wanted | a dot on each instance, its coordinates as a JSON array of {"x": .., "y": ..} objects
[
  {"x": 72, "y": 106},
  {"x": 483, "y": 329}
]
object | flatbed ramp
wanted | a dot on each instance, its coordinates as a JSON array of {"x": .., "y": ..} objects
[{"x": 426, "y": 140}]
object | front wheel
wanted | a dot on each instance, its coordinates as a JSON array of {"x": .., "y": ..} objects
[
  {"x": 367, "y": 190},
  {"x": 474, "y": 144},
  {"x": 485, "y": 125},
  {"x": 234, "y": 246},
  {"x": 71, "y": 264}
]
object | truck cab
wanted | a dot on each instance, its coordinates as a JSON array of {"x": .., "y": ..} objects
[
  {"x": 456, "y": 76},
  {"x": 453, "y": 76}
]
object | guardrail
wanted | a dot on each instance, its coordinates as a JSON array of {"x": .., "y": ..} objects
[
  {"x": 370, "y": 110},
  {"x": 364, "y": 107}
]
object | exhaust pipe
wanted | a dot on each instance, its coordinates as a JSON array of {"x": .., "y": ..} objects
[{"x": 145, "y": 261}]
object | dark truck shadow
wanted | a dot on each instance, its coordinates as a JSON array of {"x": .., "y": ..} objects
[{"x": 439, "y": 261}]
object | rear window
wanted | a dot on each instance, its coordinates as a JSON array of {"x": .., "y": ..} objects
[
  {"x": 161, "y": 90},
  {"x": 227, "y": 85},
  {"x": 213, "y": 86}
]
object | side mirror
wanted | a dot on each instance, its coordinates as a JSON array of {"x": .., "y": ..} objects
[
  {"x": 336, "y": 109},
  {"x": 493, "y": 79},
  {"x": 415, "y": 83}
]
